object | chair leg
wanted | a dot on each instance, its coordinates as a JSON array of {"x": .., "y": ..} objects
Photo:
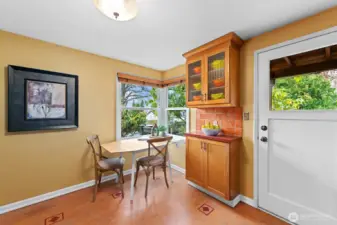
[
  {"x": 95, "y": 187},
  {"x": 154, "y": 173},
  {"x": 122, "y": 175},
  {"x": 121, "y": 181},
  {"x": 148, "y": 174},
  {"x": 165, "y": 175},
  {"x": 136, "y": 175},
  {"x": 99, "y": 179}
]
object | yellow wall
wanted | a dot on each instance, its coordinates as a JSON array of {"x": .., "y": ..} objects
[
  {"x": 174, "y": 72},
  {"x": 39, "y": 162}
]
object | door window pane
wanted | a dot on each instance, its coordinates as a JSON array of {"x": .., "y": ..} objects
[
  {"x": 315, "y": 91},
  {"x": 305, "y": 81}
]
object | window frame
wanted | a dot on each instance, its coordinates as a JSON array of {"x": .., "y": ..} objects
[{"x": 161, "y": 109}]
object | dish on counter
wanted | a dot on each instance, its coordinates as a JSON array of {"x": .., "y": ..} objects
[{"x": 210, "y": 132}]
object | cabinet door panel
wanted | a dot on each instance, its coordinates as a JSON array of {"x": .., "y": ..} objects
[
  {"x": 194, "y": 161},
  {"x": 217, "y": 74},
  {"x": 218, "y": 168},
  {"x": 195, "y": 81}
]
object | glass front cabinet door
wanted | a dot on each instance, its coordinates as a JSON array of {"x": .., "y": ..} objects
[
  {"x": 217, "y": 85},
  {"x": 195, "y": 82}
]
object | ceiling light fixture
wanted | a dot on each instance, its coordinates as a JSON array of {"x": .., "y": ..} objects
[{"x": 119, "y": 10}]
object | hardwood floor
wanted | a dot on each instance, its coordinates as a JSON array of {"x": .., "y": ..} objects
[{"x": 181, "y": 204}]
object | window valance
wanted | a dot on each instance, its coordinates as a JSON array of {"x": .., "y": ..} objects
[{"x": 132, "y": 79}]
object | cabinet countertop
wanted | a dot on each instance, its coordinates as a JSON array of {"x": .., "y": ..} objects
[{"x": 220, "y": 138}]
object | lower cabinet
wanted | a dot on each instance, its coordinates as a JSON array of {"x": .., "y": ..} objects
[{"x": 214, "y": 166}]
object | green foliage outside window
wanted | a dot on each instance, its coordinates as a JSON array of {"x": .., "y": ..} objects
[
  {"x": 304, "y": 92},
  {"x": 142, "y": 96},
  {"x": 177, "y": 118}
]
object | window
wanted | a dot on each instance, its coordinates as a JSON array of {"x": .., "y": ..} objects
[
  {"x": 140, "y": 107},
  {"x": 315, "y": 91},
  {"x": 305, "y": 81},
  {"x": 177, "y": 113}
]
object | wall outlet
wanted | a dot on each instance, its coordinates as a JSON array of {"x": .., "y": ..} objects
[{"x": 246, "y": 116}]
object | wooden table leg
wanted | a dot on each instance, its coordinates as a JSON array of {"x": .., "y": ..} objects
[{"x": 133, "y": 176}]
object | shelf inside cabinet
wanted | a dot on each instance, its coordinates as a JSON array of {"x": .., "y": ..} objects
[
  {"x": 195, "y": 76},
  {"x": 195, "y": 91},
  {"x": 217, "y": 88},
  {"x": 219, "y": 71}
]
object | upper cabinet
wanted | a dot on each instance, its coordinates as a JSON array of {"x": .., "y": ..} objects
[{"x": 212, "y": 73}]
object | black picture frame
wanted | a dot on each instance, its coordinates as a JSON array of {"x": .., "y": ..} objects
[{"x": 17, "y": 97}]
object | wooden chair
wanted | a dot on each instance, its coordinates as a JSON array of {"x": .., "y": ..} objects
[
  {"x": 104, "y": 164},
  {"x": 152, "y": 161}
]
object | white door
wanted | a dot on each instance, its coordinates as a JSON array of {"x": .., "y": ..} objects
[{"x": 297, "y": 163}]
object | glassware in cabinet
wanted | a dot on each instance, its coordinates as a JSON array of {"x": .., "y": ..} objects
[
  {"x": 195, "y": 84},
  {"x": 216, "y": 82}
]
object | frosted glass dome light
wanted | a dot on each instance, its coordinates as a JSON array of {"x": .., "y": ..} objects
[{"x": 119, "y": 10}]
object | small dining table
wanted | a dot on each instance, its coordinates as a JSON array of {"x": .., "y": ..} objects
[{"x": 136, "y": 145}]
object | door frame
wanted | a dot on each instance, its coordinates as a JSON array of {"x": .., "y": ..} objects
[{"x": 256, "y": 102}]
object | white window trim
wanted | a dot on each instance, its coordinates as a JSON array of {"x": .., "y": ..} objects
[{"x": 162, "y": 110}]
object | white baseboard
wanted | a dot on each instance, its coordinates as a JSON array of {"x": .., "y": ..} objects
[
  {"x": 248, "y": 201},
  {"x": 241, "y": 198},
  {"x": 179, "y": 169},
  {"x": 232, "y": 203},
  {"x": 53, "y": 194}
]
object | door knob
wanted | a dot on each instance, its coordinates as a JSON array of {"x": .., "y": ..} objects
[
  {"x": 264, "y": 139},
  {"x": 264, "y": 127}
]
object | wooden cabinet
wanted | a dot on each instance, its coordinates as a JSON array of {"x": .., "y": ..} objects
[
  {"x": 212, "y": 73},
  {"x": 214, "y": 166},
  {"x": 195, "y": 161}
]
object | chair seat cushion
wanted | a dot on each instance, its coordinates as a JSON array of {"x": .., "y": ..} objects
[
  {"x": 150, "y": 160},
  {"x": 111, "y": 163}
]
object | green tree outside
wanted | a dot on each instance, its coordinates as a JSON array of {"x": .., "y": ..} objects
[
  {"x": 304, "y": 92},
  {"x": 142, "y": 96}
]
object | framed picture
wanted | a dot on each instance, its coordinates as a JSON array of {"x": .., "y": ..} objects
[{"x": 41, "y": 100}]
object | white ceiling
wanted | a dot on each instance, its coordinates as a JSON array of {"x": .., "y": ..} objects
[{"x": 160, "y": 34}]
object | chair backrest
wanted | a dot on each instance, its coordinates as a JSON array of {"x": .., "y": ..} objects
[
  {"x": 160, "y": 151},
  {"x": 95, "y": 146}
]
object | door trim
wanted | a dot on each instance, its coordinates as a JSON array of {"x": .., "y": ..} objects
[{"x": 256, "y": 100}]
